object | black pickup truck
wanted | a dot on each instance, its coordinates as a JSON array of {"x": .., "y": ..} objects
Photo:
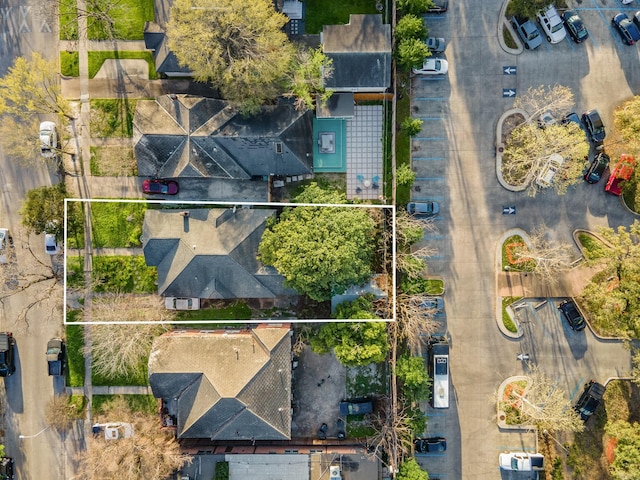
[
  {"x": 7, "y": 360},
  {"x": 55, "y": 356}
]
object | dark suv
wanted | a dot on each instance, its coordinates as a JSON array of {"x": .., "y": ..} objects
[
  {"x": 597, "y": 168},
  {"x": 7, "y": 360},
  {"x": 589, "y": 400},
  {"x": 593, "y": 124},
  {"x": 572, "y": 314}
]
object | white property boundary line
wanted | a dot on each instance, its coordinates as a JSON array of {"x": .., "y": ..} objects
[{"x": 232, "y": 204}]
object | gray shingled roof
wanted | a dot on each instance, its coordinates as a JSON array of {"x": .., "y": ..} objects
[
  {"x": 186, "y": 136},
  {"x": 210, "y": 254},
  {"x": 361, "y": 53},
  {"x": 227, "y": 385}
]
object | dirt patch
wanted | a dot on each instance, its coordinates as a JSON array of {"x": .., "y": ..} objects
[
  {"x": 113, "y": 161},
  {"x": 511, "y": 122},
  {"x": 319, "y": 384}
]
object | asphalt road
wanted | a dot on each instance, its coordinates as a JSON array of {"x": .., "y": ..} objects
[
  {"x": 24, "y": 29},
  {"x": 454, "y": 159}
]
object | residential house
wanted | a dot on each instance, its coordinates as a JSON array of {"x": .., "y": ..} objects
[
  {"x": 210, "y": 253},
  {"x": 361, "y": 54},
  {"x": 224, "y": 384},
  {"x": 186, "y": 136}
]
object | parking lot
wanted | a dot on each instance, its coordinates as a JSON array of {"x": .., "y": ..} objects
[{"x": 454, "y": 161}]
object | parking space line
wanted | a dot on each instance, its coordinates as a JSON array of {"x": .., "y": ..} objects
[
  {"x": 429, "y": 138},
  {"x": 425, "y": 199},
  {"x": 429, "y": 119},
  {"x": 441, "y": 99},
  {"x": 577, "y": 389},
  {"x": 427, "y": 158},
  {"x": 429, "y": 178},
  {"x": 516, "y": 448},
  {"x": 432, "y": 79}
]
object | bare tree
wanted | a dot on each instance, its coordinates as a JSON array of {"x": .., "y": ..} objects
[
  {"x": 150, "y": 453},
  {"x": 556, "y": 100},
  {"x": 414, "y": 320},
  {"x": 60, "y": 413},
  {"x": 119, "y": 349},
  {"x": 543, "y": 403},
  {"x": 393, "y": 437},
  {"x": 549, "y": 257}
]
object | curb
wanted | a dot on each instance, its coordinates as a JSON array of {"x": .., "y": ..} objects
[
  {"x": 503, "y": 22},
  {"x": 501, "y": 416},
  {"x": 500, "y": 149}
]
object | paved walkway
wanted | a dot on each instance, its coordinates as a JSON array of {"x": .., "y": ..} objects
[
  {"x": 103, "y": 45},
  {"x": 104, "y": 390}
]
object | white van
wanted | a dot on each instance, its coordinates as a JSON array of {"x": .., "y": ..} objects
[{"x": 552, "y": 165}]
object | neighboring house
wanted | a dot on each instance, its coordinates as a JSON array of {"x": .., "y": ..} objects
[
  {"x": 361, "y": 54},
  {"x": 185, "y": 136},
  {"x": 224, "y": 384},
  {"x": 210, "y": 253}
]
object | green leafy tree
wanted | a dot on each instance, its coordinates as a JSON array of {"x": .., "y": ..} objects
[
  {"x": 411, "y": 126},
  {"x": 613, "y": 295},
  {"x": 43, "y": 210},
  {"x": 321, "y": 251},
  {"x": 414, "y": 377},
  {"x": 312, "y": 68},
  {"x": 415, "y": 7},
  {"x": 404, "y": 175},
  {"x": 410, "y": 470},
  {"x": 416, "y": 420},
  {"x": 32, "y": 87},
  {"x": 411, "y": 53},
  {"x": 354, "y": 344},
  {"x": 626, "y": 120},
  {"x": 409, "y": 27},
  {"x": 239, "y": 47},
  {"x": 626, "y": 465}
]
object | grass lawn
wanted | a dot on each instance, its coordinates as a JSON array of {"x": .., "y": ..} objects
[
  {"x": 430, "y": 286},
  {"x": 117, "y": 225},
  {"x": 75, "y": 271},
  {"x": 137, "y": 403},
  {"x": 123, "y": 274},
  {"x": 334, "y": 12},
  {"x": 112, "y": 117},
  {"x": 506, "y": 319},
  {"x": 113, "y": 161},
  {"x": 403, "y": 141},
  {"x": 526, "y": 266},
  {"x": 593, "y": 248},
  {"x": 238, "y": 311},
  {"x": 75, "y": 344},
  {"x": 69, "y": 64},
  {"x": 96, "y": 59},
  {"x": 128, "y": 20},
  {"x": 68, "y": 16},
  {"x": 365, "y": 381}
]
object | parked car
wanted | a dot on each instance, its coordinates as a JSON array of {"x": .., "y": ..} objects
[
  {"x": 594, "y": 126},
  {"x": 527, "y": 31},
  {"x": 48, "y": 139},
  {"x": 597, "y": 168},
  {"x": 546, "y": 119},
  {"x": 177, "y": 303},
  {"x": 521, "y": 461},
  {"x": 4, "y": 244},
  {"x": 551, "y": 24},
  {"x": 357, "y": 406},
  {"x": 572, "y": 314},
  {"x": 439, "y": 6},
  {"x": 572, "y": 118},
  {"x": 548, "y": 172},
  {"x": 423, "y": 209},
  {"x": 433, "y": 303},
  {"x": 51, "y": 244},
  {"x": 636, "y": 19},
  {"x": 432, "y": 66},
  {"x": 436, "y": 45},
  {"x": 7, "y": 356},
  {"x": 6, "y": 468},
  {"x": 55, "y": 356},
  {"x": 575, "y": 26},
  {"x": 589, "y": 400},
  {"x": 430, "y": 444},
  {"x": 629, "y": 31},
  {"x": 159, "y": 186},
  {"x": 621, "y": 173}
]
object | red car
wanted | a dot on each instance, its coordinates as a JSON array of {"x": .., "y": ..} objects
[
  {"x": 157, "y": 186},
  {"x": 622, "y": 172}
]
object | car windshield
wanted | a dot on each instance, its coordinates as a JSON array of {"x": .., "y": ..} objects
[
  {"x": 438, "y": 65},
  {"x": 557, "y": 27}
]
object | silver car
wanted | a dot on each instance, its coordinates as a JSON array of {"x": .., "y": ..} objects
[
  {"x": 423, "y": 209},
  {"x": 48, "y": 139}
]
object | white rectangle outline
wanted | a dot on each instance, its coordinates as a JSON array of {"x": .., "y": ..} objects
[{"x": 250, "y": 321}]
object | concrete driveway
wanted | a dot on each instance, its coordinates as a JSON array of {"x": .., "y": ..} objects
[{"x": 454, "y": 159}]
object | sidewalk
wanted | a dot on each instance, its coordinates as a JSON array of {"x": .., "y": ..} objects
[
  {"x": 569, "y": 284},
  {"x": 126, "y": 390}
]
